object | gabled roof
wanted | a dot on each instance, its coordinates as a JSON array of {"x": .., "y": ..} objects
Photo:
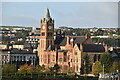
[
  {"x": 93, "y": 48},
  {"x": 78, "y": 45}
]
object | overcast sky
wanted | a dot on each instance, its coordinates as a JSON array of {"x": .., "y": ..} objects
[{"x": 71, "y": 14}]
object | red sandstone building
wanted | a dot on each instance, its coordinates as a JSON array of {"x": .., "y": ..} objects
[{"x": 66, "y": 51}]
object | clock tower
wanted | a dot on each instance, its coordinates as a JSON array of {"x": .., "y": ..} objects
[{"x": 46, "y": 35}]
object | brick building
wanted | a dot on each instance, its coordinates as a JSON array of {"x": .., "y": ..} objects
[{"x": 66, "y": 51}]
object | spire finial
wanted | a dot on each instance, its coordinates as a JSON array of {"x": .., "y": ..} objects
[{"x": 47, "y": 16}]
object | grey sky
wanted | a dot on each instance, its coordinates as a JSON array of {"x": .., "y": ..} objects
[{"x": 73, "y": 14}]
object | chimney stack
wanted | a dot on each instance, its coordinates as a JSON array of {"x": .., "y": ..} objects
[
  {"x": 68, "y": 40},
  {"x": 88, "y": 36}
]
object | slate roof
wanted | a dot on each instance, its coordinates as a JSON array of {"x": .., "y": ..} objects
[
  {"x": 27, "y": 45},
  {"x": 52, "y": 47},
  {"x": 62, "y": 41},
  {"x": 16, "y": 51},
  {"x": 93, "y": 48},
  {"x": 63, "y": 50},
  {"x": 59, "y": 40}
]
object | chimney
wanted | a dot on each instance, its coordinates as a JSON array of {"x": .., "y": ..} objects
[
  {"x": 81, "y": 47},
  {"x": 88, "y": 36},
  {"x": 72, "y": 42},
  {"x": 106, "y": 48},
  {"x": 68, "y": 40}
]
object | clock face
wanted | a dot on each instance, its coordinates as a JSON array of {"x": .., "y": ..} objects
[
  {"x": 49, "y": 27},
  {"x": 43, "y": 27}
]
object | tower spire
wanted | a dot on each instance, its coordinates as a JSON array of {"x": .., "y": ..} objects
[{"x": 47, "y": 16}]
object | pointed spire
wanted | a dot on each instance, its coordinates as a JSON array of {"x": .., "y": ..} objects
[{"x": 47, "y": 16}]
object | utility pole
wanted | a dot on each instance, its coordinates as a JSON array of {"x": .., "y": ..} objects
[{"x": 103, "y": 71}]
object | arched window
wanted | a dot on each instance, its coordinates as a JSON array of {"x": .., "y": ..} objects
[
  {"x": 98, "y": 57},
  {"x": 94, "y": 57}
]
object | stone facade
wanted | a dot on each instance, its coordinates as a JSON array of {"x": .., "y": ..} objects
[{"x": 66, "y": 51}]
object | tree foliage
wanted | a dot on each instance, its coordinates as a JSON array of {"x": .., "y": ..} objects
[
  {"x": 97, "y": 67},
  {"x": 115, "y": 66},
  {"x": 40, "y": 69},
  {"x": 106, "y": 61},
  {"x": 26, "y": 69},
  {"x": 55, "y": 69},
  {"x": 9, "y": 68},
  {"x": 85, "y": 69}
]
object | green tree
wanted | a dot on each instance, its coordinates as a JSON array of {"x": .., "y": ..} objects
[
  {"x": 56, "y": 68},
  {"x": 85, "y": 69},
  {"x": 69, "y": 70},
  {"x": 115, "y": 66},
  {"x": 106, "y": 61},
  {"x": 51, "y": 69},
  {"x": 26, "y": 69},
  {"x": 40, "y": 69},
  {"x": 9, "y": 68},
  {"x": 97, "y": 67}
]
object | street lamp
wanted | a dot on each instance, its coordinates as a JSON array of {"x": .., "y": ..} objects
[
  {"x": 84, "y": 68},
  {"x": 103, "y": 70}
]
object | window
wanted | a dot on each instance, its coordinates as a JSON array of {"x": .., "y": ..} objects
[
  {"x": 98, "y": 57},
  {"x": 60, "y": 59},
  {"x": 5, "y": 57},
  {"x": 65, "y": 56},
  {"x": 49, "y": 34},
  {"x": 53, "y": 58},
  {"x": 20, "y": 58},
  {"x": 17, "y": 57},
  {"x": 48, "y": 59},
  {"x": 76, "y": 59},
  {"x": 69, "y": 58},
  {"x": 2, "y": 57},
  {"x": 14, "y": 57},
  {"x": 95, "y": 58},
  {"x": 24, "y": 58},
  {"x": 75, "y": 53},
  {"x": 43, "y": 33},
  {"x": 77, "y": 67}
]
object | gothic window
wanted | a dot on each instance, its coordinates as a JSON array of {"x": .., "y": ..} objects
[
  {"x": 53, "y": 58},
  {"x": 65, "y": 56},
  {"x": 43, "y": 33},
  {"x": 69, "y": 58},
  {"x": 94, "y": 58},
  {"x": 50, "y": 34},
  {"x": 50, "y": 41},
  {"x": 77, "y": 67},
  {"x": 48, "y": 59},
  {"x": 76, "y": 59},
  {"x": 75, "y": 53},
  {"x": 60, "y": 59},
  {"x": 2, "y": 57},
  {"x": 98, "y": 57}
]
